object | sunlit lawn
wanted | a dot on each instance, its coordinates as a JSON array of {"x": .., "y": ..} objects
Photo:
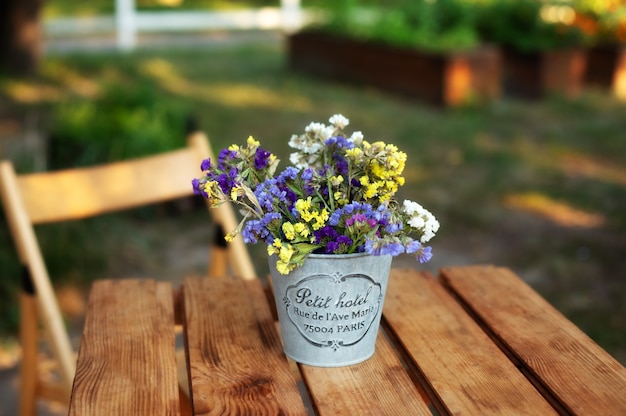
[{"x": 539, "y": 187}]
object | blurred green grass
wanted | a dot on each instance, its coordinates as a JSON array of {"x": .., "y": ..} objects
[
  {"x": 64, "y": 8},
  {"x": 539, "y": 187}
]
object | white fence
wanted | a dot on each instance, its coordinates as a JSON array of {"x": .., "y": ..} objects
[{"x": 128, "y": 22}]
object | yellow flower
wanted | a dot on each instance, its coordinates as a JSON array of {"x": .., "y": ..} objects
[
  {"x": 372, "y": 190},
  {"x": 283, "y": 268},
  {"x": 289, "y": 230},
  {"x": 252, "y": 143},
  {"x": 233, "y": 148},
  {"x": 377, "y": 147},
  {"x": 379, "y": 170},
  {"x": 320, "y": 219},
  {"x": 236, "y": 192},
  {"x": 340, "y": 198},
  {"x": 285, "y": 253},
  {"x": 275, "y": 247},
  {"x": 304, "y": 209},
  {"x": 336, "y": 180},
  {"x": 355, "y": 153},
  {"x": 302, "y": 229},
  {"x": 230, "y": 237},
  {"x": 213, "y": 191}
]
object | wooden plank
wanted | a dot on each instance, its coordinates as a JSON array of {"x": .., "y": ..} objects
[
  {"x": 235, "y": 358},
  {"x": 378, "y": 386},
  {"x": 127, "y": 361},
  {"x": 463, "y": 371},
  {"x": 583, "y": 377},
  {"x": 79, "y": 193}
]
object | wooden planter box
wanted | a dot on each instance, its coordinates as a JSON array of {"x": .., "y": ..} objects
[
  {"x": 534, "y": 75},
  {"x": 440, "y": 79},
  {"x": 606, "y": 68}
]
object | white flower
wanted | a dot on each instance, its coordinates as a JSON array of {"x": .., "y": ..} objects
[
  {"x": 417, "y": 222},
  {"x": 411, "y": 207},
  {"x": 296, "y": 159},
  {"x": 356, "y": 138},
  {"x": 313, "y": 148},
  {"x": 339, "y": 121},
  {"x": 297, "y": 142},
  {"x": 317, "y": 129},
  {"x": 329, "y": 132},
  {"x": 421, "y": 219}
]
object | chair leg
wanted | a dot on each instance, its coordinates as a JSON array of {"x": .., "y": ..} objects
[
  {"x": 29, "y": 338},
  {"x": 218, "y": 262},
  {"x": 218, "y": 257}
]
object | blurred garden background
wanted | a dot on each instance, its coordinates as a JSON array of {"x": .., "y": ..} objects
[{"x": 536, "y": 185}]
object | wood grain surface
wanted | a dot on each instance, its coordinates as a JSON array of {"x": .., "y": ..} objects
[
  {"x": 237, "y": 366},
  {"x": 378, "y": 386},
  {"x": 564, "y": 362},
  {"x": 463, "y": 371},
  {"x": 476, "y": 341},
  {"x": 127, "y": 360}
]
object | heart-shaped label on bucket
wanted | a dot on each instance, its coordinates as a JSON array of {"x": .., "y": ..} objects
[{"x": 333, "y": 310}]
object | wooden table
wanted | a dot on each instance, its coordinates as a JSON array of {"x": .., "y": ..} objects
[{"x": 475, "y": 341}]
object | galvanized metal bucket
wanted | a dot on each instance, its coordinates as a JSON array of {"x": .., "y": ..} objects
[{"x": 329, "y": 309}]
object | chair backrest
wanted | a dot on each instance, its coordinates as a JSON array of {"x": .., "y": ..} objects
[{"x": 39, "y": 198}]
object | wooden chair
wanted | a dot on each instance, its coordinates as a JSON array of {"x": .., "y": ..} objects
[{"x": 72, "y": 194}]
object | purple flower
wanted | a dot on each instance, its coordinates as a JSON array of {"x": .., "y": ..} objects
[
  {"x": 339, "y": 142},
  {"x": 355, "y": 218},
  {"x": 339, "y": 246},
  {"x": 341, "y": 164},
  {"x": 196, "y": 184},
  {"x": 205, "y": 165},
  {"x": 224, "y": 156},
  {"x": 226, "y": 181},
  {"x": 261, "y": 158},
  {"x": 326, "y": 236}
]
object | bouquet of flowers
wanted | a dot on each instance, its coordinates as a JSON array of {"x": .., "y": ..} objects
[{"x": 338, "y": 198}]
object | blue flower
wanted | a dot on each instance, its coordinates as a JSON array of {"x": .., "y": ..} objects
[
  {"x": 380, "y": 247},
  {"x": 307, "y": 174},
  {"x": 393, "y": 228},
  {"x": 256, "y": 230},
  {"x": 412, "y": 246},
  {"x": 424, "y": 254},
  {"x": 290, "y": 173}
]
